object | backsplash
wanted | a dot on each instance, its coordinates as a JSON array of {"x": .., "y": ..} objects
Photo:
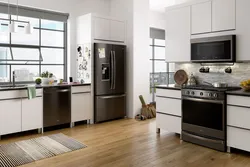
[{"x": 240, "y": 71}]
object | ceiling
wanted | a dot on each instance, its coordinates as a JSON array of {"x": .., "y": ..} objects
[{"x": 159, "y": 5}]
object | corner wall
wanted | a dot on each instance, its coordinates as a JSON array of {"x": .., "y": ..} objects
[{"x": 136, "y": 14}]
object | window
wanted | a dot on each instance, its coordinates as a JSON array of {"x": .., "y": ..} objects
[
  {"x": 43, "y": 50},
  {"x": 161, "y": 73}
]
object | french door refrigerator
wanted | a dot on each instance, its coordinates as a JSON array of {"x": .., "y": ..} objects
[{"x": 109, "y": 82}]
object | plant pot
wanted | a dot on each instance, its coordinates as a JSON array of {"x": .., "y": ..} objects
[{"x": 45, "y": 81}]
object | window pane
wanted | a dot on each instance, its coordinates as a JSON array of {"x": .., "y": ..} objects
[
  {"x": 171, "y": 67},
  {"x": 160, "y": 42},
  {"x": 4, "y": 73},
  {"x": 4, "y": 35},
  {"x": 160, "y": 78},
  {"x": 151, "y": 66},
  {"x": 25, "y": 72},
  {"x": 150, "y": 41},
  {"x": 160, "y": 66},
  {"x": 26, "y": 39},
  {"x": 160, "y": 53},
  {"x": 56, "y": 70},
  {"x": 33, "y": 21},
  {"x": 52, "y": 38},
  {"x": 151, "y": 52},
  {"x": 52, "y": 56},
  {"x": 4, "y": 16},
  {"x": 54, "y": 25},
  {"x": 25, "y": 54},
  {"x": 5, "y": 53}
]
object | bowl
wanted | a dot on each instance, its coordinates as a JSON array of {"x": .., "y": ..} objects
[{"x": 246, "y": 88}]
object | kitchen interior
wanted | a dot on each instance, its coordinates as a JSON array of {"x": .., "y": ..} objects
[{"x": 70, "y": 82}]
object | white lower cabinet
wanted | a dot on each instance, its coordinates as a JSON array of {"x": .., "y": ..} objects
[
  {"x": 81, "y": 107},
  {"x": 238, "y": 138},
  {"x": 168, "y": 107},
  {"x": 168, "y": 123},
  {"x": 10, "y": 116},
  {"x": 238, "y": 126},
  {"x": 32, "y": 113}
]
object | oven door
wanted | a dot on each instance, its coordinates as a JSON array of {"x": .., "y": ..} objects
[
  {"x": 213, "y": 49},
  {"x": 203, "y": 117}
]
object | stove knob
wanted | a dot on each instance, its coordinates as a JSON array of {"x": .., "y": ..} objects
[
  {"x": 210, "y": 94},
  {"x": 201, "y": 93},
  {"x": 215, "y": 95},
  {"x": 187, "y": 92},
  {"x": 192, "y": 93}
]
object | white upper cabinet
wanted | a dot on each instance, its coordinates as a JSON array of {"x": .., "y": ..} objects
[
  {"x": 223, "y": 15},
  {"x": 117, "y": 31},
  {"x": 178, "y": 35},
  {"x": 108, "y": 29},
  {"x": 201, "y": 18},
  {"x": 101, "y": 29},
  {"x": 242, "y": 31}
]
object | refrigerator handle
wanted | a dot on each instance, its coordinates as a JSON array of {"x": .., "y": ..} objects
[
  {"x": 111, "y": 70},
  {"x": 114, "y": 84}
]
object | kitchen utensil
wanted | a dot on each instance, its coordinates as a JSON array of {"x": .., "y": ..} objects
[
  {"x": 191, "y": 80},
  {"x": 180, "y": 77},
  {"x": 217, "y": 84}
]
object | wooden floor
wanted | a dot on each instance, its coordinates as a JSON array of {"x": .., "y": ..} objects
[{"x": 129, "y": 143}]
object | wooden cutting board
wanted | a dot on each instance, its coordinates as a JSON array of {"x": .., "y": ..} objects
[{"x": 180, "y": 77}]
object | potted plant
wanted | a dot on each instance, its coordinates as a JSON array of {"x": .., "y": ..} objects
[{"x": 46, "y": 77}]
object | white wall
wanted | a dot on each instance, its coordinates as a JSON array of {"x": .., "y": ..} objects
[
  {"x": 136, "y": 13},
  {"x": 74, "y": 8},
  {"x": 157, "y": 20}
]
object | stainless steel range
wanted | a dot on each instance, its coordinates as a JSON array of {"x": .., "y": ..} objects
[{"x": 204, "y": 115}]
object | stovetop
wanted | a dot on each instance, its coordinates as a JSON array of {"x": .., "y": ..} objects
[{"x": 211, "y": 88}]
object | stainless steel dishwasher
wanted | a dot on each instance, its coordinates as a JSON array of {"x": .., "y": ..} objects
[{"x": 56, "y": 106}]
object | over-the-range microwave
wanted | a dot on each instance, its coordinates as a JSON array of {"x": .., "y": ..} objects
[{"x": 214, "y": 49}]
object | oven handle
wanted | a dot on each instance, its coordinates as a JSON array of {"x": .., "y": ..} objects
[
  {"x": 204, "y": 100},
  {"x": 203, "y": 138}
]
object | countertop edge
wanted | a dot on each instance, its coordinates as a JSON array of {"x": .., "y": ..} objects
[
  {"x": 44, "y": 86},
  {"x": 168, "y": 87},
  {"x": 238, "y": 93}
]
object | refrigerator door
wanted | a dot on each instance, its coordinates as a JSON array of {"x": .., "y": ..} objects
[
  {"x": 119, "y": 74},
  {"x": 103, "y": 63},
  {"x": 109, "y": 107}
]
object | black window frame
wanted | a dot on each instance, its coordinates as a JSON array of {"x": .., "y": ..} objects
[{"x": 40, "y": 15}]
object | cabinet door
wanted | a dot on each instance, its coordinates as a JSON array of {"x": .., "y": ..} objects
[
  {"x": 117, "y": 31},
  {"x": 178, "y": 35},
  {"x": 81, "y": 107},
  {"x": 101, "y": 29},
  {"x": 10, "y": 116},
  {"x": 242, "y": 31},
  {"x": 32, "y": 113},
  {"x": 201, "y": 18},
  {"x": 223, "y": 15}
]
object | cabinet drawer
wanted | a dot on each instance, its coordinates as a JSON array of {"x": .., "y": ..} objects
[
  {"x": 238, "y": 116},
  {"x": 168, "y": 93},
  {"x": 168, "y": 106},
  {"x": 168, "y": 123},
  {"x": 238, "y": 100},
  {"x": 11, "y": 94},
  {"x": 80, "y": 89},
  {"x": 238, "y": 138},
  {"x": 24, "y": 93}
]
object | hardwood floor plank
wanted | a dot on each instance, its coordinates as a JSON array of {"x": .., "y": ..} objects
[{"x": 129, "y": 143}]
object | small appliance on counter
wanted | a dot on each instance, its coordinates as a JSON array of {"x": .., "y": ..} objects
[{"x": 191, "y": 80}]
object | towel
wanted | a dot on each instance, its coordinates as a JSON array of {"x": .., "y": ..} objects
[{"x": 31, "y": 92}]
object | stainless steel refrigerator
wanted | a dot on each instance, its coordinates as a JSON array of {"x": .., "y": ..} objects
[{"x": 109, "y": 82}]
